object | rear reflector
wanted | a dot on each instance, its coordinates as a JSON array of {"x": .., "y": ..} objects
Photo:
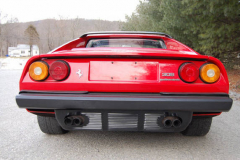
[
  {"x": 59, "y": 70},
  {"x": 189, "y": 72},
  {"x": 207, "y": 114}
]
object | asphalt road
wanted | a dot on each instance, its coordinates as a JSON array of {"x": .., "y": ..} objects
[{"x": 21, "y": 138}]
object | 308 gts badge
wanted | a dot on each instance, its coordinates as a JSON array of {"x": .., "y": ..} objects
[
  {"x": 79, "y": 73},
  {"x": 168, "y": 74}
]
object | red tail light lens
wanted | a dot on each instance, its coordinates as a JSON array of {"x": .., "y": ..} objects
[
  {"x": 59, "y": 70},
  {"x": 189, "y": 72}
]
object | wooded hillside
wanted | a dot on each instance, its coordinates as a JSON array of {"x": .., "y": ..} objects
[{"x": 52, "y": 33}]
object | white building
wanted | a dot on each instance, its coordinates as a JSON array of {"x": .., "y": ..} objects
[{"x": 22, "y": 50}]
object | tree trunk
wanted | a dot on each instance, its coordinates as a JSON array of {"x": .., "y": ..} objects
[
  {"x": 1, "y": 47},
  {"x": 6, "y": 49},
  {"x": 31, "y": 51}
]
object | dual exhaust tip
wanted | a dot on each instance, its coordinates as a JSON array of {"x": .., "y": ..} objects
[
  {"x": 77, "y": 121},
  {"x": 170, "y": 121}
]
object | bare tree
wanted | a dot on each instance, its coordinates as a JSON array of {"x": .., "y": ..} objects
[
  {"x": 2, "y": 17},
  {"x": 32, "y": 36},
  {"x": 75, "y": 26},
  {"x": 8, "y": 34},
  {"x": 48, "y": 35},
  {"x": 61, "y": 28},
  {"x": 99, "y": 25}
]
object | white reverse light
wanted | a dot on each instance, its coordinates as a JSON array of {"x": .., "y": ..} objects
[
  {"x": 37, "y": 70},
  {"x": 210, "y": 73}
]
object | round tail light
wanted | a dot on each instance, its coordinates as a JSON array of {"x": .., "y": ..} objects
[
  {"x": 59, "y": 70},
  {"x": 189, "y": 72},
  {"x": 38, "y": 71},
  {"x": 209, "y": 73}
]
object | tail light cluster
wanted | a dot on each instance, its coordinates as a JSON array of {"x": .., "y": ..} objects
[
  {"x": 189, "y": 72},
  {"x": 40, "y": 70},
  {"x": 210, "y": 73}
]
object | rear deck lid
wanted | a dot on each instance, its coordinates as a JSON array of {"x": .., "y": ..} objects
[{"x": 126, "y": 52}]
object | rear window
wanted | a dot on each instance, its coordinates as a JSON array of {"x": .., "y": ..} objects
[{"x": 136, "y": 43}]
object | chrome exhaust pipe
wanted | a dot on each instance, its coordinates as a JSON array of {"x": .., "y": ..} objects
[
  {"x": 77, "y": 121},
  {"x": 167, "y": 122},
  {"x": 172, "y": 121},
  {"x": 177, "y": 122},
  {"x": 68, "y": 120}
]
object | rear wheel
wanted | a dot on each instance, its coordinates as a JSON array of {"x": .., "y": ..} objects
[
  {"x": 199, "y": 126},
  {"x": 50, "y": 125}
]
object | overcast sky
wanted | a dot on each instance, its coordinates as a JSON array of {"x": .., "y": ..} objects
[{"x": 32, "y": 10}]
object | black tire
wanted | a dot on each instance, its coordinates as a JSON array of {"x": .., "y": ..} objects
[
  {"x": 49, "y": 125},
  {"x": 199, "y": 126}
]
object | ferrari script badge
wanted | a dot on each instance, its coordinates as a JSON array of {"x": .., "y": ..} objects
[{"x": 79, "y": 73}]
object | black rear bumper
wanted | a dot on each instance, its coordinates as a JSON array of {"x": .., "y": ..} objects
[{"x": 151, "y": 102}]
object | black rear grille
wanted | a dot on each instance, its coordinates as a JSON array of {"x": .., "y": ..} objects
[{"x": 122, "y": 121}]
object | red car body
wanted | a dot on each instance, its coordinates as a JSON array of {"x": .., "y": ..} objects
[{"x": 125, "y": 82}]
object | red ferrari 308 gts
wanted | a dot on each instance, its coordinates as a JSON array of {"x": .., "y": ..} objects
[{"x": 124, "y": 81}]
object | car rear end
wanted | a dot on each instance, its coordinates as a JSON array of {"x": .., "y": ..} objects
[{"x": 124, "y": 88}]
